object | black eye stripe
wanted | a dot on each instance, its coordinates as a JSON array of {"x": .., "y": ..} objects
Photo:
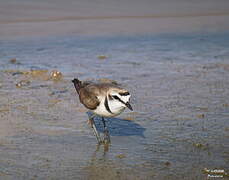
[
  {"x": 116, "y": 97},
  {"x": 124, "y": 94}
]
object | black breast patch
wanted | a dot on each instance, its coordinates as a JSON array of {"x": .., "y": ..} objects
[{"x": 107, "y": 106}]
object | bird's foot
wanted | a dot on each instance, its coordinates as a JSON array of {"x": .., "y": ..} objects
[{"x": 106, "y": 139}]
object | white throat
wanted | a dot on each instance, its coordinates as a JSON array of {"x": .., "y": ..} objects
[
  {"x": 116, "y": 107},
  {"x": 111, "y": 107}
]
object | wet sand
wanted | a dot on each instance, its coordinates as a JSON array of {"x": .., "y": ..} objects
[
  {"x": 179, "y": 127},
  {"x": 174, "y": 62}
]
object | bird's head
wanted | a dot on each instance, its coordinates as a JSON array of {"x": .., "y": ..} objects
[{"x": 121, "y": 97}]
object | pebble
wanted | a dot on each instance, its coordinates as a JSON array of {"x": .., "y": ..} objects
[
  {"x": 102, "y": 57},
  {"x": 167, "y": 163},
  {"x": 198, "y": 145},
  {"x": 23, "y": 83},
  {"x": 121, "y": 156},
  {"x": 13, "y": 61},
  {"x": 200, "y": 115}
]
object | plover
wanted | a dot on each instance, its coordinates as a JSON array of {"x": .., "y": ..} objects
[{"x": 102, "y": 99}]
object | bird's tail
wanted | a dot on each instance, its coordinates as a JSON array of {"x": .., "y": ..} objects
[{"x": 78, "y": 84}]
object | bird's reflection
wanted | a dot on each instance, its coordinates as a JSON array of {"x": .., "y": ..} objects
[{"x": 101, "y": 166}]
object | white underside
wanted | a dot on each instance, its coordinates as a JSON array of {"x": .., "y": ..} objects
[{"x": 116, "y": 109}]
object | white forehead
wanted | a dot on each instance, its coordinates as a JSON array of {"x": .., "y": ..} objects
[{"x": 125, "y": 98}]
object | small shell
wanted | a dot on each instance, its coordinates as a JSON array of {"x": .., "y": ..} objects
[{"x": 56, "y": 75}]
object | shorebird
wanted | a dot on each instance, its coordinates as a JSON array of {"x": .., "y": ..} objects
[{"x": 102, "y": 99}]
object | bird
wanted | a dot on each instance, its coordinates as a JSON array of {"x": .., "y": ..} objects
[{"x": 102, "y": 99}]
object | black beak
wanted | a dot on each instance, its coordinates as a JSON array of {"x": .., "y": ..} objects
[{"x": 129, "y": 106}]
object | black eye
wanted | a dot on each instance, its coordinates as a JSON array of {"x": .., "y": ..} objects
[{"x": 116, "y": 97}]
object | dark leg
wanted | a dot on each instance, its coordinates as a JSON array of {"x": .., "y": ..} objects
[
  {"x": 106, "y": 133},
  {"x": 96, "y": 133}
]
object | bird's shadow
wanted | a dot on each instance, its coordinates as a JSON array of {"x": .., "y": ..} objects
[{"x": 119, "y": 127}]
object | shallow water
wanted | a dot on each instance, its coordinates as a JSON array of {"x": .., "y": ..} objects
[{"x": 180, "y": 95}]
